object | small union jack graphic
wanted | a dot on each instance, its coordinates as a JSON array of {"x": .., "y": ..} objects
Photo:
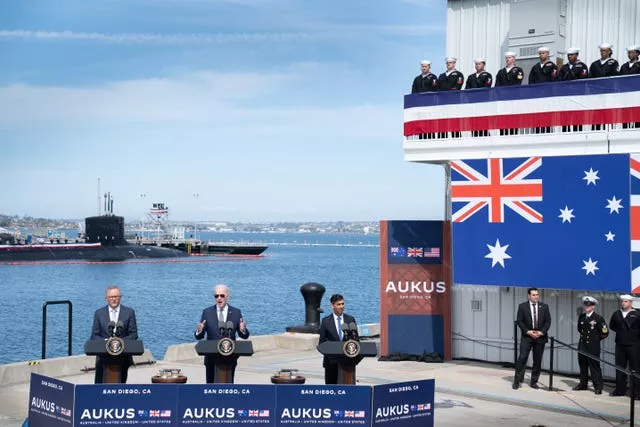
[
  {"x": 414, "y": 252},
  {"x": 497, "y": 190}
]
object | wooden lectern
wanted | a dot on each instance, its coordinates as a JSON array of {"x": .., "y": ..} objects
[
  {"x": 114, "y": 352},
  {"x": 225, "y": 352},
  {"x": 348, "y": 354}
]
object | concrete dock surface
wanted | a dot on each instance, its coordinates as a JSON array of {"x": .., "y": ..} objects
[{"x": 467, "y": 393}]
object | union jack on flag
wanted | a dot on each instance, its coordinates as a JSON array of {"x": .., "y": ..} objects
[
  {"x": 496, "y": 189},
  {"x": 635, "y": 223},
  {"x": 154, "y": 413},
  {"x": 253, "y": 413}
]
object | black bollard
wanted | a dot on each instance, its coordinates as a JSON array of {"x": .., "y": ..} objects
[{"x": 312, "y": 294}]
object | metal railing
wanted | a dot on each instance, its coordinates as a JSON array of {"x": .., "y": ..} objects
[
  {"x": 44, "y": 324},
  {"x": 635, "y": 376}
]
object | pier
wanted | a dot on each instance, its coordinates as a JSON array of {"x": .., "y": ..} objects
[{"x": 465, "y": 390}]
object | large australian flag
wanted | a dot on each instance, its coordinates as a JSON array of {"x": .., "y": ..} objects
[{"x": 550, "y": 222}]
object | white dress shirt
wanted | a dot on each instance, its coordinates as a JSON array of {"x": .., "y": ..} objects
[{"x": 114, "y": 313}]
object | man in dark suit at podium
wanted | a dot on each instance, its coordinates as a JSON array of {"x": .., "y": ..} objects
[
  {"x": 209, "y": 321},
  {"x": 534, "y": 320},
  {"x": 331, "y": 330},
  {"x": 117, "y": 313}
]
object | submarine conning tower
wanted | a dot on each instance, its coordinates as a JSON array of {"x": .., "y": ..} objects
[{"x": 105, "y": 229}]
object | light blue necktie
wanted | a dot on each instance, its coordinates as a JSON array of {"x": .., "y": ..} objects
[{"x": 340, "y": 327}]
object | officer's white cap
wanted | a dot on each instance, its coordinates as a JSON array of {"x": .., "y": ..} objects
[
  {"x": 475, "y": 61},
  {"x": 450, "y": 59},
  {"x": 605, "y": 46},
  {"x": 425, "y": 62},
  {"x": 626, "y": 297},
  {"x": 633, "y": 47},
  {"x": 510, "y": 53},
  {"x": 572, "y": 50},
  {"x": 543, "y": 49},
  {"x": 589, "y": 299}
]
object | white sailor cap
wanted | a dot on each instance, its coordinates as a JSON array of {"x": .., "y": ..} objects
[
  {"x": 573, "y": 50},
  {"x": 626, "y": 297},
  {"x": 605, "y": 46},
  {"x": 587, "y": 300},
  {"x": 543, "y": 49},
  {"x": 450, "y": 59},
  {"x": 425, "y": 62},
  {"x": 633, "y": 47},
  {"x": 510, "y": 53},
  {"x": 475, "y": 61}
]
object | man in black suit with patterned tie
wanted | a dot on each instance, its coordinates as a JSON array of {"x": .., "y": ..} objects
[
  {"x": 209, "y": 322},
  {"x": 116, "y": 313},
  {"x": 331, "y": 330},
  {"x": 534, "y": 320}
]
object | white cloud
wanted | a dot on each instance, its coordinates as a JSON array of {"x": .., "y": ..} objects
[
  {"x": 227, "y": 101},
  {"x": 159, "y": 39}
]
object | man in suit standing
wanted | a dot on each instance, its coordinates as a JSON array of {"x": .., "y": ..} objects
[
  {"x": 592, "y": 329},
  {"x": 626, "y": 324},
  {"x": 534, "y": 320},
  {"x": 331, "y": 330},
  {"x": 209, "y": 321},
  {"x": 114, "y": 312}
]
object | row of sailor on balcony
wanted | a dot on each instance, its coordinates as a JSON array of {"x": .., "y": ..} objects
[{"x": 542, "y": 72}]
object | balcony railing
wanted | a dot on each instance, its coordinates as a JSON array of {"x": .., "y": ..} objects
[{"x": 574, "y": 117}]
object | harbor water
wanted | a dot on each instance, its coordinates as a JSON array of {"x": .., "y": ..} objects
[{"x": 169, "y": 296}]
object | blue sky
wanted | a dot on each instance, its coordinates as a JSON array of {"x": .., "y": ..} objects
[{"x": 267, "y": 109}]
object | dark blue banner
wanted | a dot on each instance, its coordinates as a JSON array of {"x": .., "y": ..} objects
[
  {"x": 50, "y": 402},
  {"x": 225, "y": 404},
  {"x": 406, "y": 404},
  {"x": 126, "y": 404},
  {"x": 415, "y": 242},
  {"x": 323, "y": 405}
]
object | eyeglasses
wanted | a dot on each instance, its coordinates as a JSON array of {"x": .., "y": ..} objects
[{"x": 220, "y": 296}]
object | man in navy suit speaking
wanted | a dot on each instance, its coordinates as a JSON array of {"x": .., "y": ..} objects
[
  {"x": 209, "y": 321},
  {"x": 116, "y": 313},
  {"x": 331, "y": 330}
]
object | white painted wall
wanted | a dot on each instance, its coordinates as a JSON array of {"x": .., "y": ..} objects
[
  {"x": 481, "y": 28},
  {"x": 488, "y": 333}
]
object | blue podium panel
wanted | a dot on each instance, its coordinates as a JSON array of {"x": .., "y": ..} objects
[
  {"x": 225, "y": 404},
  {"x": 323, "y": 405},
  {"x": 50, "y": 402},
  {"x": 416, "y": 334},
  {"x": 126, "y": 404},
  {"x": 406, "y": 404}
]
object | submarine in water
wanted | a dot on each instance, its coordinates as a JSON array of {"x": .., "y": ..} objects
[{"x": 103, "y": 241}]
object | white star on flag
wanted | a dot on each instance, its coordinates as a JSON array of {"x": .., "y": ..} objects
[
  {"x": 591, "y": 176},
  {"x": 497, "y": 254},
  {"x": 609, "y": 236},
  {"x": 566, "y": 214},
  {"x": 590, "y": 267},
  {"x": 614, "y": 205}
]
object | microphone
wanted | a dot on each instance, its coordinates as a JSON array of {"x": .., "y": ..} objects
[
  {"x": 230, "y": 327},
  {"x": 119, "y": 328},
  {"x": 110, "y": 328},
  {"x": 221, "y": 326},
  {"x": 345, "y": 332},
  {"x": 354, "y": 331}
]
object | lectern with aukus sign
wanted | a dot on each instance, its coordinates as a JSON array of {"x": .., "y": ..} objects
[
  {"x": 348, "y": 353},
  {"x": 225, "y": 352}
]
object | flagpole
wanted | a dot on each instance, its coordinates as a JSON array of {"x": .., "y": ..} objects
[{"x": 447, "y": 191}]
